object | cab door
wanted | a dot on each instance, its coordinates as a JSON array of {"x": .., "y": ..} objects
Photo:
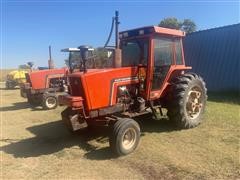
[{"x": 163, "y": 58}]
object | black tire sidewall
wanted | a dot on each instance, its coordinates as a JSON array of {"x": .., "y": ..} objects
[
  {"x": 22, "y": 93},
  {"x": 118, "y": 133},
  {"x": 178, "y": 97}
]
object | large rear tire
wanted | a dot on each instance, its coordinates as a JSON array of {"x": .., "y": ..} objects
[
  {"x": 125, "y": 136},
  {"x": 187, "y": 100}
]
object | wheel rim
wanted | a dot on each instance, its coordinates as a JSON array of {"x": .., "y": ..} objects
[
  {"x": 129, "y": 138},
  {"x": 194, "y": 102},
  {"x": 50, "y": 102}
]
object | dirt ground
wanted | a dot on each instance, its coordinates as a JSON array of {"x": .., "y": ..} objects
[{"x": 36, "y": 144}]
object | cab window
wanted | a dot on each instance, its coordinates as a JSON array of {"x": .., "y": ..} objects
[
  {"x": 134, "y": 52},
  {"x": 178, "y": 50},
  {"x": 163, "y": 52}
]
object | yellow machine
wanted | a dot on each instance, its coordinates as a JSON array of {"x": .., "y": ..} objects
[{"x": 15, "y": 78}]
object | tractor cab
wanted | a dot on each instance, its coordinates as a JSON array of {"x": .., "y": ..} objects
[{"x": 157, "y": 52}]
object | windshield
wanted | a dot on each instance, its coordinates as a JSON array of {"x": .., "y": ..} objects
[
  {"x": 134, "y": 52},
  {"x": 75, "y": 60}
]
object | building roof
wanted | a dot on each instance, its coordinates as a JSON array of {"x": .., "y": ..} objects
[{"x": 215, "y": 29}]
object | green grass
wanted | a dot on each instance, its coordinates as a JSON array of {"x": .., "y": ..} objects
[
  {"x": 210, "y": 151},
  {"x": 36, "y": 144}
]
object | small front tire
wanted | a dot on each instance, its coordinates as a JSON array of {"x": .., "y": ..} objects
[
  {"x": 33, "y": 100},
  {"x": 125, "y": 136},
  {"x": 22, "y": 93},
  {"x": 49, "y": 101}
]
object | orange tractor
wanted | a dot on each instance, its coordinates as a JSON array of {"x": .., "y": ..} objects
[
  {"x": 148, "y": 74},
  {"x": 42, "y": 87}
]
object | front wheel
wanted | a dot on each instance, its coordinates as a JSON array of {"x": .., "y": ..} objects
[
  {"x": 187, "y": 100},
  {"x": 125, "y": 136},
  {"x": 49, "y": 101},
  {"x": 33, "y": 99},
  {"x": 23, "y": 93}
]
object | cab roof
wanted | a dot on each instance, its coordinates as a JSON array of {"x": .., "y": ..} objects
[{"x": 151, "y": 30}]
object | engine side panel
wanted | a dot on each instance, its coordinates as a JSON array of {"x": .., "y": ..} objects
[{"x": 101, "y": 87}]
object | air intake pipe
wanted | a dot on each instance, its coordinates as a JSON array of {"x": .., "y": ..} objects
[
  {"x": 118, "y": 53},
  {"x": 50, "y": 61},
  {"x": 117, "y": 60}
]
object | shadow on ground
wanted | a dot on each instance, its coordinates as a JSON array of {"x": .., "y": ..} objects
[
  {"x": 53, "y": 137},
  {"x": 21, "y": 105},
  {"x": 16, "y": 106},
  {"x": 12, "y": 89}
]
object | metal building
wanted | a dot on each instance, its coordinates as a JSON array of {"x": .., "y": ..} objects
[{"x": 215, "y": 55}]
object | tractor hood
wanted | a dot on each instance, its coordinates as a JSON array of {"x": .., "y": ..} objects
[
  {"x": 96, "y": 85},
  {"x": 89, "y": 72},
  {"x": 40, "y": 79}
]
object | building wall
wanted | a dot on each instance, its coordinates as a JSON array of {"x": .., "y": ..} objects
[{"x": 215, "y": 55}]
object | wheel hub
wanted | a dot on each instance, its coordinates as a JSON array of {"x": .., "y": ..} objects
[
  {"x": 129, "y": 138},
  {"x": 50, "y": 102},
  {"x": 194, "y": 102}
]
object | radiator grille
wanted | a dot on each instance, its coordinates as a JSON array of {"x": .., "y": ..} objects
[{"x": 76, "y": 88}]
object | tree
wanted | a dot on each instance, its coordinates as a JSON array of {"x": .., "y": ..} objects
[
  {"x": 187, "y": 25},
  {"x": 23, "y": 66},
  {"x": 170, "y": 22},
  {"x": 103, "y": 57},
  {"x": 29, "y": 65},
  {"x": 100, "y": 58}
]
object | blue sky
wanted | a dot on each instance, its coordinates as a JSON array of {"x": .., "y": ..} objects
[{"x": 29, "y": 27}]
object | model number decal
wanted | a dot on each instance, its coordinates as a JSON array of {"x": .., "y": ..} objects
[{"x": 125, "y": 79}]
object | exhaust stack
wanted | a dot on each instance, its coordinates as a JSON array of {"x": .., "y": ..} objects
[
  {"x": 50, "y": 61},
  {"x": 117, "y": 62}
]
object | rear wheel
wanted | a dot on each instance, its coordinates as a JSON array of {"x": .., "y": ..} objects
[
  {"x": 49, "y": 101},
  {"x": 125, "y": 136},
  {"x": 187, "y": 100}
]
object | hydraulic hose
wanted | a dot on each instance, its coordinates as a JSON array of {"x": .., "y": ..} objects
[{"x": 110, "y": 34}]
